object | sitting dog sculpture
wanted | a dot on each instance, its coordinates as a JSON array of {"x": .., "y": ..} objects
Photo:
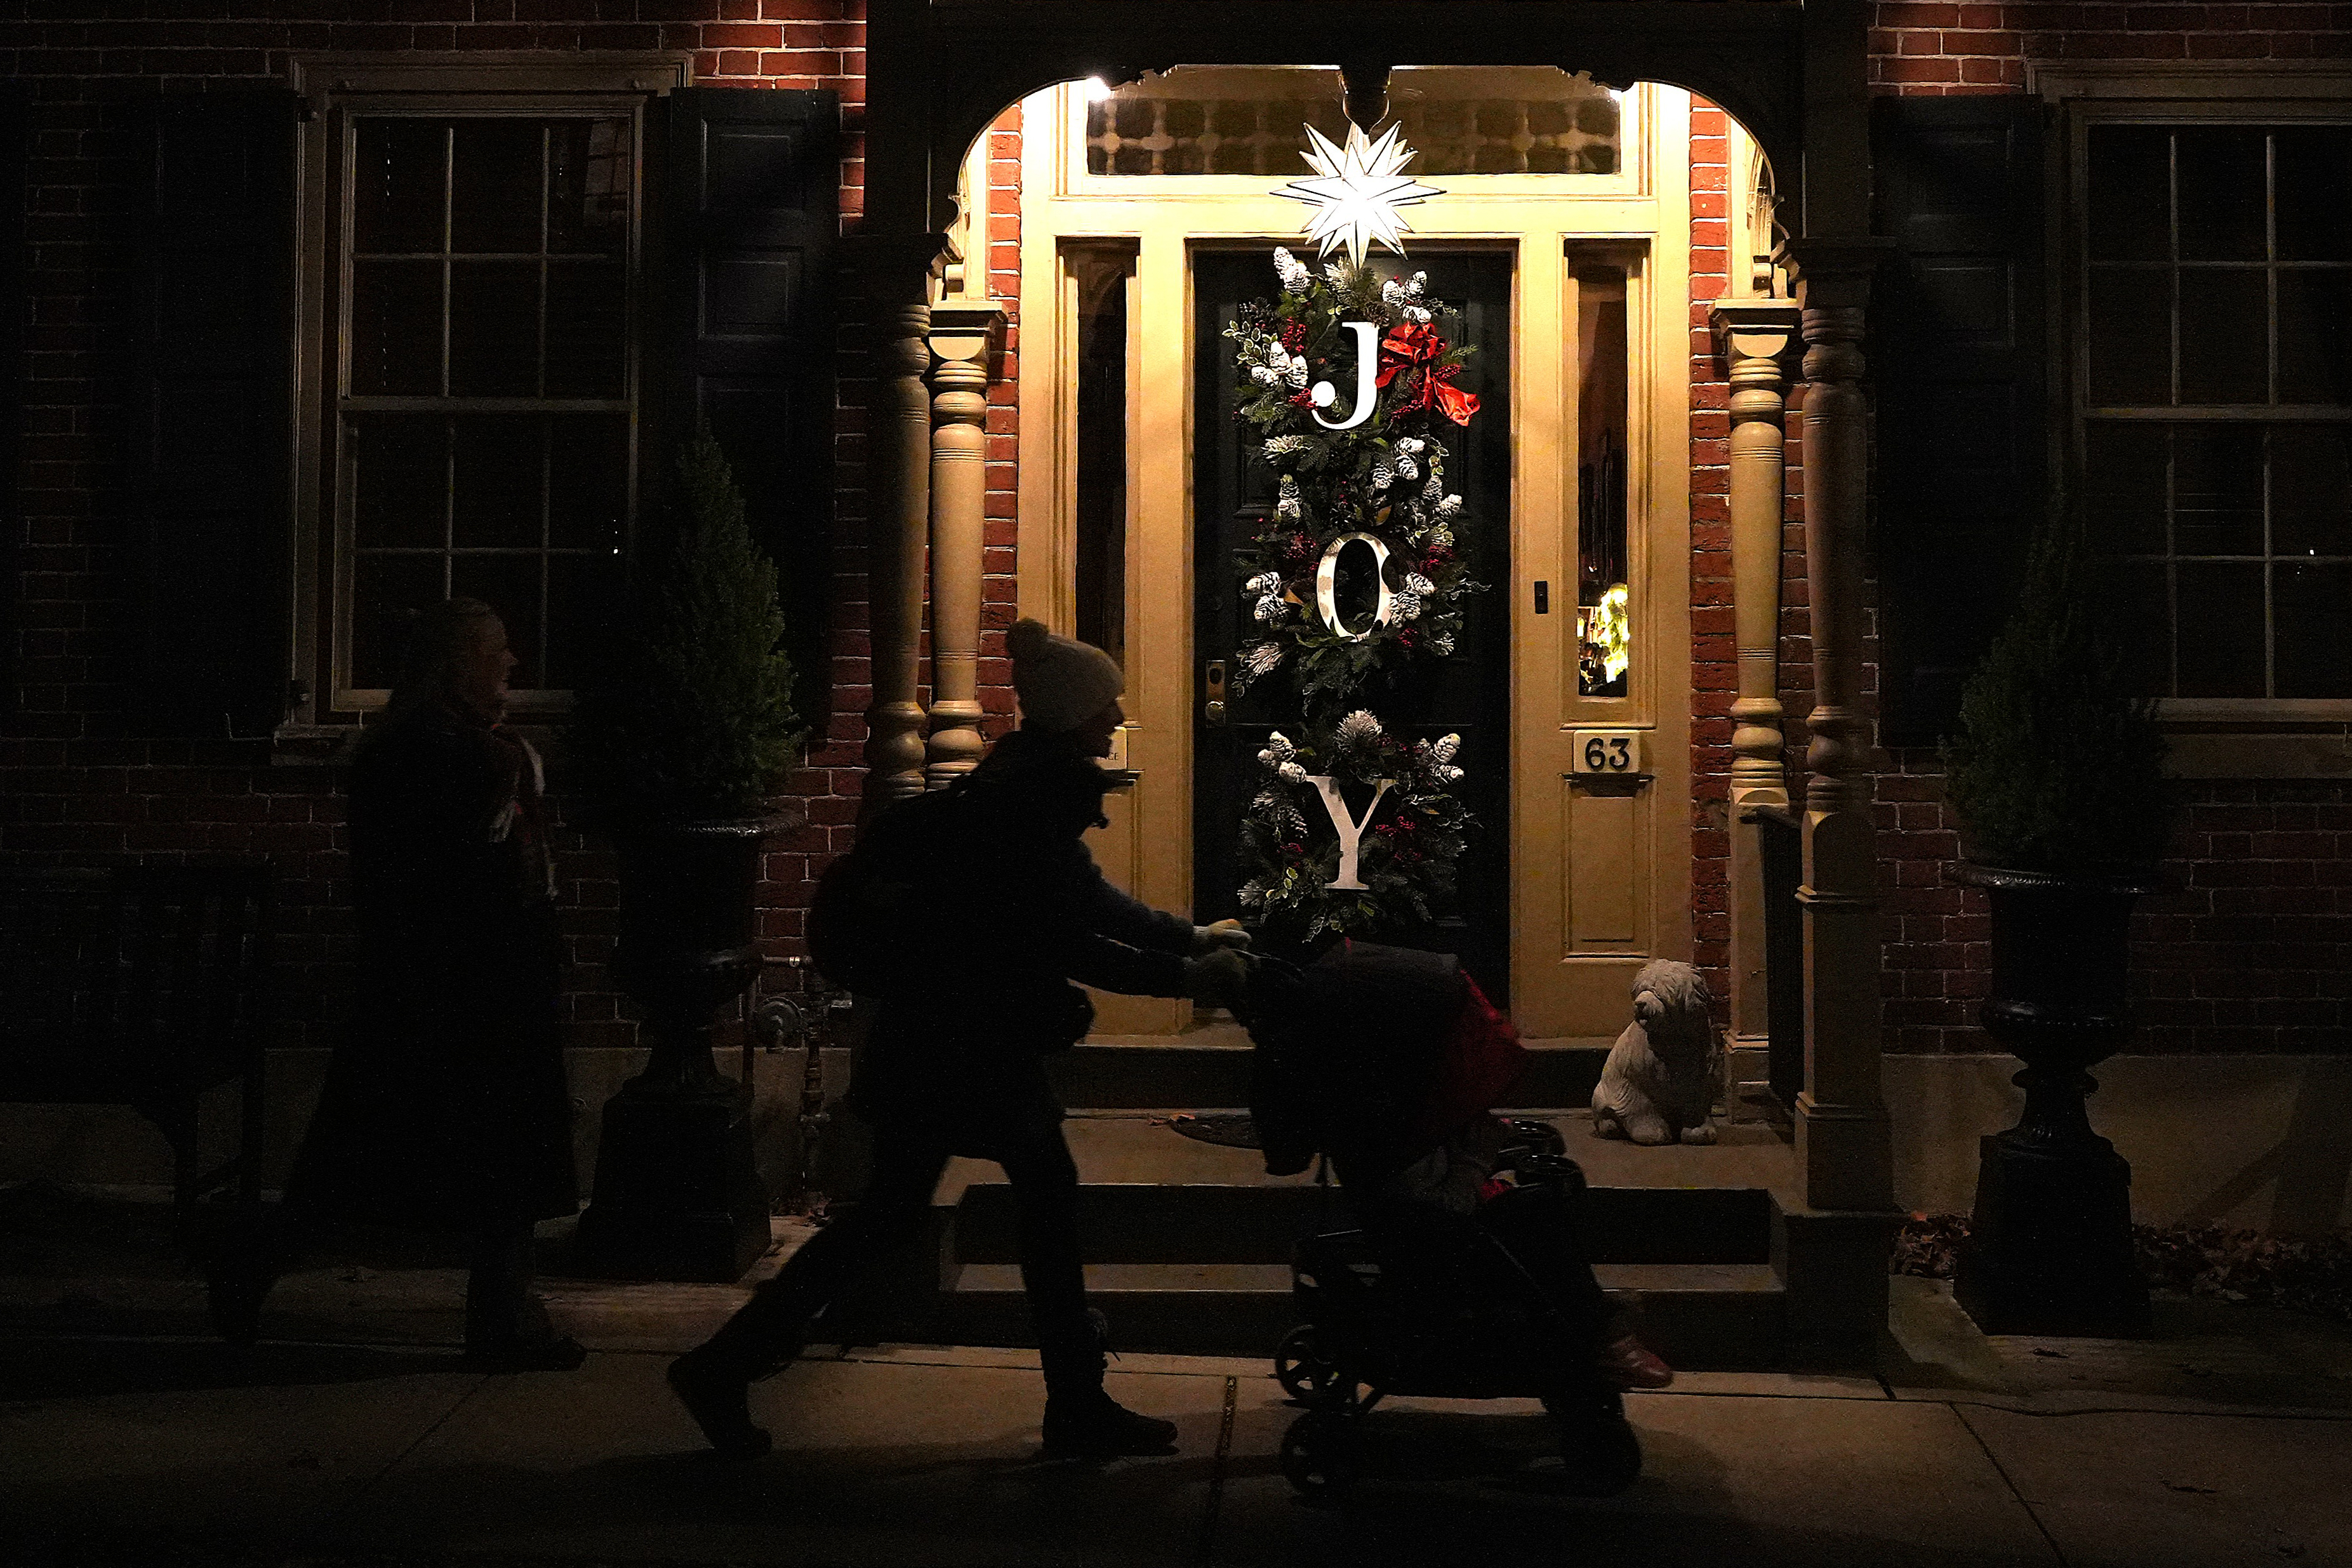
[{"x": 1659, "y": 1084}]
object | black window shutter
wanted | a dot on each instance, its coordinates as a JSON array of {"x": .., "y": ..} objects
[
  {"x": 1959, "y": 362},
  {"x": 210, "y": 438},
  {"x": 753, "y": 194}
]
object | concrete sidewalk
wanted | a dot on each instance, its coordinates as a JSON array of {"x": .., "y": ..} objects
[
  {"x": 353, "y": 1436},
  {"x": 187, "y": 1451}
]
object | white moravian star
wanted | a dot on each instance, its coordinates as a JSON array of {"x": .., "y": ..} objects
[{"x": 1357, "y": 192}]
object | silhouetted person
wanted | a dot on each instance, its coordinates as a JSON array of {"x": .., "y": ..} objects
[
  {"x": 1013, "y": 910},
  {"x": 445, "y": 1106}
]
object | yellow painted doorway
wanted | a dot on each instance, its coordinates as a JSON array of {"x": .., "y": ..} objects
[{"x": 1598, "y": 831}]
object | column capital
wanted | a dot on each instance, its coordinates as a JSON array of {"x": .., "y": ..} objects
[
  {"x": 966, "y": 330},
  {"x": 1755, "y": 329}
]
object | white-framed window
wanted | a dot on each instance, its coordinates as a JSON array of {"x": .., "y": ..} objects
[
  {"x": 472, "y": 305},
  {"x": 2206, "y": 294}
]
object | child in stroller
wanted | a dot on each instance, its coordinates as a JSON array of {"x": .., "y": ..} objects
[{"x": 1466, "y": 1278}]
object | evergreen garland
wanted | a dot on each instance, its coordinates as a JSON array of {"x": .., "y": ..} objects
[{"x": 1385, "y": 478}]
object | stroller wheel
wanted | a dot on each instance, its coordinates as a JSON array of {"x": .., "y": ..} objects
[
  {"x": 1308, "y": 1372},
  {"x": 1318, "y": 1455},
  {"x": 1603, "y": 1453}
]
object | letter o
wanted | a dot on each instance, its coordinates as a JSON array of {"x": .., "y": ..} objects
[{"x": 1327, "y": 587}]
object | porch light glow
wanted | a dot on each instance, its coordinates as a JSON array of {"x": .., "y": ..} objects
[{"x": 1357, "y": 192}]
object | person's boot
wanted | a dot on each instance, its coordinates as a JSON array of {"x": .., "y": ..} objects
[
  {"x": 1091, "y": 1425},
  {"x": 716, "y": 1391}
]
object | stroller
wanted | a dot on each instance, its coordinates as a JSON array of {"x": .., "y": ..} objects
[{"x": 1371, "y": 1056}]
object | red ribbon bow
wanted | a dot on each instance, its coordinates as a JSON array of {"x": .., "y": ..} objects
[{"x": 1417, "y": 347}]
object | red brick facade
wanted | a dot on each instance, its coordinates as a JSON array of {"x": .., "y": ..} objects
[{"x": 2253, "y": 951}]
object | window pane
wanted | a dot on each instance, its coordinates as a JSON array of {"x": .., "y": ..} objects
[
  {"x": 495, "y": 182},
  {"x": 2217, "y": 490},
  {"x": 2315, "y": 328},
  {"x": 588, "y": 186},
  {"x": 508, "y": 584},
  {"x": 2144, "y": 623},
  {"x": 2221, "y": 639},
  {"x": 493, "y": 329},
  {"x": 1100, "y": 276},
  {"x": 400, "y": 479},
  {"x": 1603, "y": 594},
  {"x": 2224, "y": 197},
  {"x": 2311, "y": 491},
  {"x": 397, "y": 184},
  {"x": 386, "y": 590},
  {"x": 2315, "y": 171},
  {"x": 588, "y": 480},
  {"x": 587, "y": 329},
  {"x": 2131, "y": 336},
  {"x": 396, "y": 329},
  {"x": 583, "y": 594},
  {"x": 2225, "y": 319},
  {"x": 495, "y": 500},
  {"x": 2131, "y": 193},
  {"x": 2123, "y": 488},
  {"x": 2314, "y": 610}
]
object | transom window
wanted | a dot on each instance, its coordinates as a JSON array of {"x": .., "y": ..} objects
[
  {"x": 1245, "y": 119},
  {"x": 485, "y": 390},
  {"x": 2214, "y": 400}
]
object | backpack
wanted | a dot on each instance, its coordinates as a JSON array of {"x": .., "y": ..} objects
[{"x": 875, "y": 906}]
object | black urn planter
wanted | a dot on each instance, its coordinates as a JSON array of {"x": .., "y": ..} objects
[
  {"x": 2049, "y": 1245},
  {"x": 676, "y": 1194}
]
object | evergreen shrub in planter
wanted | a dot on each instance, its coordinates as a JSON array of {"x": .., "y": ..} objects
[
  {"x": 2057, "y": 776},
  {"x": 681, "y": 745}
]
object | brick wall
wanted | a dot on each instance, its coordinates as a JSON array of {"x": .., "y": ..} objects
[
  {"x": 2249, "y": 949},
  {"x": 1922, "y": 45},
  {"x": 2253, "y": 951},
  {"x": 73, "y": 783}
]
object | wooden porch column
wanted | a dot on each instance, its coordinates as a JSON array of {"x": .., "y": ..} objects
[
  {"x": 897, "y": 270},
  {"x": 1841, "y": 1130},
  {"x": 963, "y": 339},
  {"x": 1755, "y": 336}
]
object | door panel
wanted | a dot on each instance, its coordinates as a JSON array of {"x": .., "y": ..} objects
[{"x": 1467, "y": 694}]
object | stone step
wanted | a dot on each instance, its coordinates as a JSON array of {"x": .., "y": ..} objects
[
  {"x": 1204, "y": 1223},
  {"x": 1210, "y": 1067},
  {"x": 1700, "y": 1317}
]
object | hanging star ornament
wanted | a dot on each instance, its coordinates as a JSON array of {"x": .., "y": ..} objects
[{"x": 1357, "y": 192}]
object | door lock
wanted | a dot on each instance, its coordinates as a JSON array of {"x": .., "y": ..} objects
[{"x": 1213, "y": 681}]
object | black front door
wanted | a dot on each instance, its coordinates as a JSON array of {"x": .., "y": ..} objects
[{"x": 1468, "y": 694}]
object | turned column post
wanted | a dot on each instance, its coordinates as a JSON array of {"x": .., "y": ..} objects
[
  {"x": 1842, "y": 1131},
  {"x": 896, "y": 271},
  {"x": 963, "y": 341},
  {"x": 1756, "y": 337}
]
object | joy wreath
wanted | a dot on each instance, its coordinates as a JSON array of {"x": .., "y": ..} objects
[{"x": 1349, "y": 379}]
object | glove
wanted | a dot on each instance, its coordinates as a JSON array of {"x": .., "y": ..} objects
[
  {"x": 1224, "y": 933},
  {"x": 1220, "y": 979}
]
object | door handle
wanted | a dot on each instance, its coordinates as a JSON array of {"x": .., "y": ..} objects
[{"x": 1213, "y": 683}]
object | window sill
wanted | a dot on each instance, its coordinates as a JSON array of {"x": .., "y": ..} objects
[{"x": 2304, "y": 752}]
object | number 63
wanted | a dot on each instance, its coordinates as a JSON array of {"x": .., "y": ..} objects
[{"x": 1609, "y": 754}]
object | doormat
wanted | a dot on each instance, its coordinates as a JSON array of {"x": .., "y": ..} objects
[{"x": 1231, "y": 1129}]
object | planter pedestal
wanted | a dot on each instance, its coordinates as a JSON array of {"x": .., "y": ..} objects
[
  {"x": 2050, "y": 1244},
  {"x": 676, "y": 1194}
]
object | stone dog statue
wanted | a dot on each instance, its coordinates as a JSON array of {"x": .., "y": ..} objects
[{"x": 1660, "y": 1080}]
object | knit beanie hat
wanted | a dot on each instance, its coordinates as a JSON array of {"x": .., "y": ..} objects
[{"x": 1061, "y": 682}]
